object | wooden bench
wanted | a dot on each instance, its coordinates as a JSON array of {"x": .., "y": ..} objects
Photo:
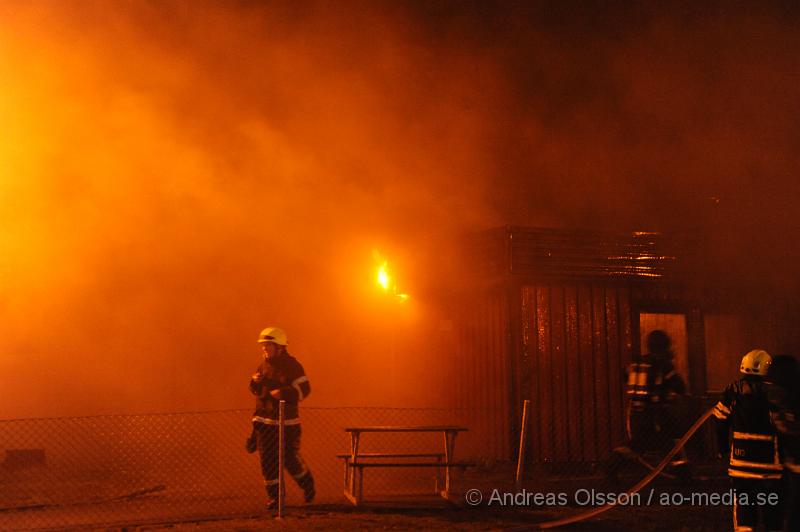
[
  {"x": 382, "y": 457},
  {"x": 355, "y": 462}
]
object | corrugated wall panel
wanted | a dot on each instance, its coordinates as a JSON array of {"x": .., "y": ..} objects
[
  {"x": 566, "y": 254},
  {"x": 527, "y": 371},
  {"x": 572, "y": 359},
  {"x": 579, "y": 339},
  {"x": 543, "y": 400},
  {"x": 615, "y": 362},
  {"x": 561, "y": 413},
  {"x": 479, "y": 379},
  {"x": 503, "y": 378},
  {"x": 601, "y": 369},
  {"x": 586, "y": 358}
]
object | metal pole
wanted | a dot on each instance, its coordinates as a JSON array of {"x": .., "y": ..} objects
[
  {"x": 281, "y": 458},
  {"x": 523, "y": 441}
]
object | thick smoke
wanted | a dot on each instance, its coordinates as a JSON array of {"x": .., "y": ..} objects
[{"x": 174, "y": 176}]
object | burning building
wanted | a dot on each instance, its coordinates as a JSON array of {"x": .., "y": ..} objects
[{"x": 554, "y": 316}]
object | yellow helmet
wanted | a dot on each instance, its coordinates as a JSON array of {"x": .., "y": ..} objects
[
  {"x": 274, "y": 335},
  {"x": 756, "y": 362}
]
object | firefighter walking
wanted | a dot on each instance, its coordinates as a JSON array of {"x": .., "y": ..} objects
[
  {"x": 746, "y": 433},
  {"x": 279, "y": 377}
]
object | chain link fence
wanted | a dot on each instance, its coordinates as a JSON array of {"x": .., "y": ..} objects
[
  {"x": 136, "y": 469},
  {"x": 652, "y": 432},
  {"x": 63, "y": 473}
]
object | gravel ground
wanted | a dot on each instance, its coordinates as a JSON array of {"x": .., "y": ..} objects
[
  {"x": 656, "y": 510},
  {"x": 642, "y": 517},
  {"x": 709, "y": 519}
]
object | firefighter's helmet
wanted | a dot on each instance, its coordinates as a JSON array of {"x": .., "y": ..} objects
[
  {"x": 658, "y": 341},
  {"x": 756, "y": 362},
  {"x": 274, "y": 335}
]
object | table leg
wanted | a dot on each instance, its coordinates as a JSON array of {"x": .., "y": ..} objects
[
  {"x": 351, "y": 488},
  {"x": 360, "y": 495},
  {"x": 438, "y": 476},
  {"x": 449, "y": 449}
]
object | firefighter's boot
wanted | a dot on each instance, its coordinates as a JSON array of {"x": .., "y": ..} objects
[
  {"x": 272, "y": 494},
  {"x": 618, "y": 459},
  {"x": 306, "y": 483}
]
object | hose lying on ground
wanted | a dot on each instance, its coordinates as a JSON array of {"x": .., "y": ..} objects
[{"x": 642, "y": 483}]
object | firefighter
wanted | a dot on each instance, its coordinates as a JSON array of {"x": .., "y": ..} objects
[
  {"x": 746, "y": 433},
  {"x": 279, "y": 376},
  {"x": 783, "y": 391},
  {"x": 654, "y": 420}
]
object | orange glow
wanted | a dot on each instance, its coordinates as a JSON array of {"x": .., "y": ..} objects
[
  {"x": 386, "y": 281},
  {"x": 383, "y": 276},
  {"x": 173, "y": 144},
  {"x": 195, "y": 171}
]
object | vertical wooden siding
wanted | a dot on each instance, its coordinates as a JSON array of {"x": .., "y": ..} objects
[
  {"x": 578, "y": 340},
  {"x": 480, "y": 382}
]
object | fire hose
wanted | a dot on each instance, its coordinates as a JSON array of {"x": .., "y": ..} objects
[
  {"x": 636, "y": 456},
  {"x": 636, "y": 488}
]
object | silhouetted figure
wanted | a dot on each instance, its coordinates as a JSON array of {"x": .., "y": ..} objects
[
  {"x": 783, "y": 391},
  {"x": 279, "y": 376},
  {"x": 654, "y": 418},
  {"x": 746, "y": 433}
]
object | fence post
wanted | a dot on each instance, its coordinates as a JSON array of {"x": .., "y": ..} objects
[
  {"x": 523, "y": 441},
  {"x": 281, "y": 457}
]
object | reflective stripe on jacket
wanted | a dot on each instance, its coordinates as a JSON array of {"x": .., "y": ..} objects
[{"x": 745, "y": 429}]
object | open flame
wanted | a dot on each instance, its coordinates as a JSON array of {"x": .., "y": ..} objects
[
  {"x": 387, "y": 283},
  {"x": 383, "y": 276}
]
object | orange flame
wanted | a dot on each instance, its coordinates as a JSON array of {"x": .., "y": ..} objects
[
  {"x": 383, "y": 276},
  {"x": 387, "y": 283}
]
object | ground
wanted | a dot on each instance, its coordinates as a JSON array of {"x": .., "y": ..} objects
[
  {"x": 333, "y": 518},
  {"x": 386, "y": 516}
]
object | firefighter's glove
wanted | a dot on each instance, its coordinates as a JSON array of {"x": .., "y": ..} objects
[
  {"x": 276, "y": 393},
  {"x": 252, "y": 443},
  {"x": 255, "y": 383}
]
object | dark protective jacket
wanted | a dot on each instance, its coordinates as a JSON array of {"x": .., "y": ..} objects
[
  {"x": 286, "y": 375},
  {"x": 653, "y": 380},
  {"x": 745, "y": 430},
  {"x": 785, "y": 409}
]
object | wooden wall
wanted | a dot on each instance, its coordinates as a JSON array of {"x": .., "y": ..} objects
[
  {"x": 479, "y": 380},
  {"x": 576, "y": 341}
]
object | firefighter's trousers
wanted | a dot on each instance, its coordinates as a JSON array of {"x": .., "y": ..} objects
[{"x": 268, "y": 452}]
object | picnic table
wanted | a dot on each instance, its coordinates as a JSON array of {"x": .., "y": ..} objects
[{"x": 355, "y": 462}]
